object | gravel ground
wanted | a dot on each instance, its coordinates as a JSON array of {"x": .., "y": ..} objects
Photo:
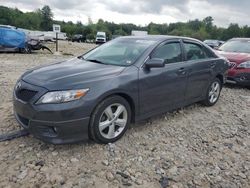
[{"x": 192, "y": 147}]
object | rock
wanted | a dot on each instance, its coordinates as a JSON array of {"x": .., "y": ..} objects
[
  {"x": 74, "y": 160},
  {"x": 164, "y": 182},
  {"x": 160, "y": 171},
  {"x": 139, "y": 181},
  {"x": 242, "y": 175},
  {"x": 105, "y": 162},
  {"x": 140, "y": 159},
  {"x": 126, "y": 176},
  {"x": 64, "y": 164},
  {"x": 40, "y": 163},
  {"x": 197, "y": 180},
  {"x": 54, "y": 153},
  {"x": 32, "y": 174},
  {"x": 177, "y": 185},
  {"x": 44, "y": 169},
  {"x": 111, "y": 149},
  {"x": 32, "y": 166},
  {"x": 180, "y": 139},
  {"x": 173, "y": 171},
  {"x": 22, "y": 175},
  {"x": 21, "y": 146},
  {"x": 125, "y": 182},
  {"x": 109, "y": 176},
  {"x": 55, "y": 179}
]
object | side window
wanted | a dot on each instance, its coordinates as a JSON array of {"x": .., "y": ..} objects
[
  {"x": 194, "y": 51},
  {"x": 170, "y": 52}
]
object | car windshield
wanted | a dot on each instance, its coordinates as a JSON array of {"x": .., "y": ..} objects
[
  {"x": 241, "y": 46},
  {"x": 102, "y": 36},
  {"x": 120, "y": 52}
]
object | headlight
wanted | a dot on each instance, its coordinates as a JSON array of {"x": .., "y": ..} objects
[
  {"x": 62, "y": 96},
  {"x": 245, "y": 65}
]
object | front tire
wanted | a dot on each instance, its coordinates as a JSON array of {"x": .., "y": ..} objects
[
  {"x": 110, "y": 120},
  {"x": 213, "y": 92}
]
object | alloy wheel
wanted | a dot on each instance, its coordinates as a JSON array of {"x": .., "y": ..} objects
[
  {"x": 113, "y": 121},
  {"x": 214, "y": 92}
]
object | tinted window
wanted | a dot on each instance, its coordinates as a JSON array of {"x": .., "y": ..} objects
[
  {"x": 170, "y": 52},
  {"x": 194, "y": 51}
]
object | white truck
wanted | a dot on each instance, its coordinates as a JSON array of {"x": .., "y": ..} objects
[
  {"x": 139, "y": 33},
  {"x": 100, "y": 37}
]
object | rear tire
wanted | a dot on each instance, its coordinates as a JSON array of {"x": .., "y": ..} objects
[
  {"x": 213, "y": 93},
  {"x": 26, "y": 49},
  {"x": 110, "y": 120}
]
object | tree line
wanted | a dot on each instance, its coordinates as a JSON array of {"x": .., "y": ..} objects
[{"x": 42, "y": 19}]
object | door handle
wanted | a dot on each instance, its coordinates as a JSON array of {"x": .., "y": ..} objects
[
  {"x": 212, "y": 65},
  {"x": 182, "y": 71}
]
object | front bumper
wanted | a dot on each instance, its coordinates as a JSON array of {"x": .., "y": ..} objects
[
  {"x": 56, "y": 132},
  {"x": 52, "y": 123},
  {"x": 242, "y": 79}
]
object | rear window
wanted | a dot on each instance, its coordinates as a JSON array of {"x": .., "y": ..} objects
[
  {"x": 195, "y": 51},
  {"x": 240, "y": 46}
]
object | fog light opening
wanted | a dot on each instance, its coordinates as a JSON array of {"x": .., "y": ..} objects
[
  {"x": 54, "y": 129},
  {"x": 243, "y": 78}
]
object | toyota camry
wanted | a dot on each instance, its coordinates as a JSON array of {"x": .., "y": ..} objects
[{"x": 97, "y": 95}]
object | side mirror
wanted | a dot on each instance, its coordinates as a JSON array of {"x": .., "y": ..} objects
[{"x": 155, "y": 63}]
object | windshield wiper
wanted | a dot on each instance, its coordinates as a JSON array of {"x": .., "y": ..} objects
[{"x": 95, "y": 61}]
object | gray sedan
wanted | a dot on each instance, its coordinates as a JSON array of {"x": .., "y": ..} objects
[{"x": 97, "y": 95}]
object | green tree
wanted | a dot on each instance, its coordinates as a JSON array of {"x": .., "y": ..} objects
[
  {"x": 47, "y": 18},
  {"x": 208, "y": 22}
]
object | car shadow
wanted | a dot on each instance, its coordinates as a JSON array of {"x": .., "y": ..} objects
[{"x": 234, "y": 86}]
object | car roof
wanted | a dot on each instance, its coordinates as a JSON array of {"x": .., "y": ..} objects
[
  {"x": 242, "y": 39},
  {"x": 211, "y": 40},
  {"x": 158, "y": 37},
  {"x": 7, "y": 27}
]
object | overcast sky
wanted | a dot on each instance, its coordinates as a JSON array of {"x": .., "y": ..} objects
[{"x": 141, "y": 12}]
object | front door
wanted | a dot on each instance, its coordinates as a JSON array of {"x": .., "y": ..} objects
[{"x": 161, "y": 89}]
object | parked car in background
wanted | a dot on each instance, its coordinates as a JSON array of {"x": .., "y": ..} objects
[
  {"x": 100, "y": 37},
  {"x": 237, "y": 51},
  {"x": 12, "y": 40},
  {"x": 213, "y": 43},
  {"x": 97, "y": 95},
  {"x": 139, "y": 33},
  {"x": 78, "y": 38},
  {"x": 51, "y": 34}
]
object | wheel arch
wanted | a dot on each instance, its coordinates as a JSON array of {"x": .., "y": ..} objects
[
  {"x": 131, "y": 101},
  {"x": 221, "y": 78}
]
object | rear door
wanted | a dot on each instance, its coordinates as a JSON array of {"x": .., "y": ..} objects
[
  {"x": 161, "y": 89},
  {"x": 201, "y": 64}
]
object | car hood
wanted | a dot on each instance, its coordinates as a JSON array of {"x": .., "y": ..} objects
[
  {"x": 235, "y": 57},
  {"x": 70, "y": 74}
]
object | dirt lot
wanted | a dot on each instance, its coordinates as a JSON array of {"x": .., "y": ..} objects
[{"x": 193, "y": 147}]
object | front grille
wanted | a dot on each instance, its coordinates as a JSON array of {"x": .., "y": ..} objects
[
  {"x": 101, "y": 40},
  {"x": 232, "y": 65},
  {"x": 25, "y": 94}
]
